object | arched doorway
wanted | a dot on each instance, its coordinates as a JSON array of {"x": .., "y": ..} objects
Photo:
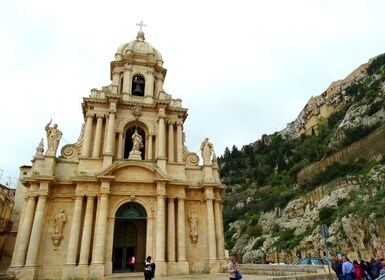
[{"x": 129, "y": 236}]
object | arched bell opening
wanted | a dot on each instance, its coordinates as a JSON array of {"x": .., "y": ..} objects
[
  {"x": 135, "y": 140},
  {"x": 138, "y": 84},
  {"x": 129, "y": 237}
]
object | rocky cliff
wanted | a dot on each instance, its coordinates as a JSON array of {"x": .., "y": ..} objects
[{"x": 351, "y": 205}]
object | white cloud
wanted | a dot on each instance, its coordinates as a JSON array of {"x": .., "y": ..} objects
[{"x": 242, "y": 68}]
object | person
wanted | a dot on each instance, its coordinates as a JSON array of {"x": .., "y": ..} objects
[
  {"x": 358, "y": 270},
  {"x": 207, "y": 149},
  {"x": 334, "y": 265},
  {"x": 131, "y": 263},
  {"x": 193, "y": 218},
  {"x": 347, "y": 269},
  {"x": 148, "y": 269},
  {"x": 53, "y": 136},
  {"x": 60, "y": 219},
  {"x": 375, "y": 267},
  {"x": 382, "y": 270},
  {"x": 137, "y": 141},
  {"x": 233, "y": 267}
]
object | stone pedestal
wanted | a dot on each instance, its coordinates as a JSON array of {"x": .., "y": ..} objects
[{"x": 135, "y": 155}]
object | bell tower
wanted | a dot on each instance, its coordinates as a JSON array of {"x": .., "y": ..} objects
[{"x": 127, "y": 187}]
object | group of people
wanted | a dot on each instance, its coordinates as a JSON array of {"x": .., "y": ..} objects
[
  {"x": 345, "y": 269},
  {"x": 149, "y": 267}
]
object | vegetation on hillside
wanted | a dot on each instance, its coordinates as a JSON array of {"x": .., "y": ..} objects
[{"x": 263, "y": 176}]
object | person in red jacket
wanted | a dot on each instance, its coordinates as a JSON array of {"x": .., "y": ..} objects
[
  {"x": 358, "y": 270},
  {"x": 131, "y": 263}
]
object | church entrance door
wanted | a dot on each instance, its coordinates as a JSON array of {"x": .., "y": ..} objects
[{"x": 129, "y": 237}]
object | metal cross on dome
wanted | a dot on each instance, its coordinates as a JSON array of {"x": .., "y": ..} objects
[{"x": 141, "y": 24}]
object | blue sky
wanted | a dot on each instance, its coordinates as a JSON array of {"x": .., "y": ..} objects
[{"x": 242, "y": 68}]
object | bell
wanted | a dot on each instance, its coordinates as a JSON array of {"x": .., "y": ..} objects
[{"x": 138, "y": 89}]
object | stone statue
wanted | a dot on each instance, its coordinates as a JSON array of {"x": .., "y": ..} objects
[
  {"x": 193, "y": 218},
  {"x": 53, "y": 136},
  {"x": 137, "y": 144},
  {"x": 137, "y": 141},
  {"x": 207, "y": 149},
  {"x": 60, "y": 220}
]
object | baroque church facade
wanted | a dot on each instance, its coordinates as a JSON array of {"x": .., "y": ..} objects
[{"x": 127, "y": 187}]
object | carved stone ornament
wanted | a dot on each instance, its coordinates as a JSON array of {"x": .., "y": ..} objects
[
  {"x": 192, "y": 159},
  {"x": 136, "y": 111},
  {"x": 60, "y": 219}
]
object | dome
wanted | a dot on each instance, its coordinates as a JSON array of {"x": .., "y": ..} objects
[{"x": 138, "y": 46}]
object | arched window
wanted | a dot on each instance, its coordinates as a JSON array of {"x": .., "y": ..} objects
[
  {"x": 137, "y": 87},
  {"x": 131, "y": 211}
]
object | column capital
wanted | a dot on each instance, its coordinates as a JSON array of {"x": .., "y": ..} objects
[{"x": 90, "y": 114}]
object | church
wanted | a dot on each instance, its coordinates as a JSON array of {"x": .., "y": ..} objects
[{"x": 127, "y": 188}]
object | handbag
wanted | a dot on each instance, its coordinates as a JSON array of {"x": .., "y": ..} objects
[{"x": 238, "y": 275}]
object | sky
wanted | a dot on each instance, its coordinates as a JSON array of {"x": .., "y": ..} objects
[{"x": 242, "y": 68}]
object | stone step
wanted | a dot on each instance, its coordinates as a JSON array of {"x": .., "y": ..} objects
[{"x": 125, "y": 275}]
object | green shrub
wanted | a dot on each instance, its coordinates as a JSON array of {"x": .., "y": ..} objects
[
  {"x": 255, "y": 230},
  {"x": 327, "y": 216}
]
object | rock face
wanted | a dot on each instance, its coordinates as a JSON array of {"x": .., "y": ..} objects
[{"x": 359, "y": 236}]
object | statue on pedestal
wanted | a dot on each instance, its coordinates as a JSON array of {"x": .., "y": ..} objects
[
  {"x": 137, "y": 144},
  {"x": 53, "y": 137},
  {"x": 207, "y": 149}
]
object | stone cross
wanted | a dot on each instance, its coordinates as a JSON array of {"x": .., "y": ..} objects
[{"x": 141, "y": 24}]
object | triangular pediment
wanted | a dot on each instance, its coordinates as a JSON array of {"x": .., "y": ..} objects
[{"x": 135, "y": 171}]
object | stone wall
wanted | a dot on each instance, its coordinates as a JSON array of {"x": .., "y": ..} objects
[{"x": 370, "y": 147}]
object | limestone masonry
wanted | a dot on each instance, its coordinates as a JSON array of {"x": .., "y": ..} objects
[{"x": 128, "y": 186}]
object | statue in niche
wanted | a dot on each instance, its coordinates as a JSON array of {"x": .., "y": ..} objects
[
  {"x": 193, "y": 219},
  {"x": 60, "y": 219},
  {"x": 137, "y": 144},
  {"x": 53, "y": 137},
  {"x": 207, "y": 149}
]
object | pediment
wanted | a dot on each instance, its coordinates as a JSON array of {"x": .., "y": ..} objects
[{"x": 136, "y": 172}]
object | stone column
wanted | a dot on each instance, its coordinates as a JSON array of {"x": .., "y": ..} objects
[
  {"x": 219, "y": 229},
  {"x": 171, "y": 142},
  {"x": 160, "y": 228},
  {"x": 181, "y": 230},
  {"x": 149, "y": 147},
  {"x": 87, "y": 232},
  {"x": 179, "y": 144},
  {"x": 161, "y": 141},
  {"x": 115, "y": 81},
  {"x": 150, "y": 235},
  {"x": 34, "y": 243},
  {"x": 161, "y": 134},
  {"x": 120, "y": 145},
  {"x": 23, "y": 236},
  {"x": 149, "y": 89},
  {"x": 171, "y": 230},
  {"x": 100, "y": 232},
  {"x": 159, "y": 84},
  {"x": 73, "y": 240},
  {"x": 127, "y": 79},
  {"x": 87, "y": 135},
  {"x": 110, "y": 134},
  {"x": 212, "y": 248},
  {"x": 98, "y": 136}
]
